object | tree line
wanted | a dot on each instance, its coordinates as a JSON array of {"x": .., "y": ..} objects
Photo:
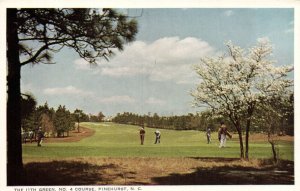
[
  {"x": 54, "y": 122},
  {"x": 177, "y": 122},
  {"x": 206, "y": 119}
]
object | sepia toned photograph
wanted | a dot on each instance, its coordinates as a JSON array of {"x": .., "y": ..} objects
[{"x": 149, "y": 96}]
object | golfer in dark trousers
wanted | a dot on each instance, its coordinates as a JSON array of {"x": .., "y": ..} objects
[
  {"x": 157, "y": 136},
  {"x": 40, "y": 136},
  {"x": 142, "y": 135}
]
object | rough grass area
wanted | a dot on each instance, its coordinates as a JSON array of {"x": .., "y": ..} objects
[{"x": 157, "y": 171}]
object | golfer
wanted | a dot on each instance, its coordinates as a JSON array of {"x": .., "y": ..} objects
[
  {"x": 157, "y": 136},
  {"x": 142, "y": 135},
  {"x": 208, "y": 135},
  {"x": 222, "y": 133},
  {"x": 40, "y": 136}
]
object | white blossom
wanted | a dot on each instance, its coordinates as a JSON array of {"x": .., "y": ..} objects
[{"x": 231, "y": 83}]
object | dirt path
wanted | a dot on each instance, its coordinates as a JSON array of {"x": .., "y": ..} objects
[
  {"x": 73, "y": 136},
  {"x": 157, "y": 171}
]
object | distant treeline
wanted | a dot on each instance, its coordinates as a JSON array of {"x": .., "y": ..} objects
[
  {"x": 202, "y": 121},
  {"x": 183, "y": 122}
]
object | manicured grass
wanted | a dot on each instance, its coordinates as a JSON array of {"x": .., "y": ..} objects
[{"x": 115, "y": 140}]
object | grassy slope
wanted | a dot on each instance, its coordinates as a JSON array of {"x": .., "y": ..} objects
[{"x": 114, "y": 140}]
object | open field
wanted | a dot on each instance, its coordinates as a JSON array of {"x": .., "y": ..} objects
[
  {"x": 107, "y": 153},
  {"x": 115, "y": 140}
]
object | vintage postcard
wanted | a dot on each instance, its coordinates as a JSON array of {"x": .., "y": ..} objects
[{"x": 146, "y": 95}]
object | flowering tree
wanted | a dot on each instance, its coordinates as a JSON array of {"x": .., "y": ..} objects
[{"x": 233, "y": 85}]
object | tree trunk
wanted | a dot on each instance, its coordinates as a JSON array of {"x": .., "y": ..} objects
[
  {"x": 242, "y": 156},
  {"x": 272, "y": 142},
  {"x": 248, "y": 124},
  {"x": 239, "y": 130},
  {"x": 274, "y": 152},
  {"x": 78, "y": 126},
  {"x": 247, "y": 139},
  {"x": 14, "y": 144}
]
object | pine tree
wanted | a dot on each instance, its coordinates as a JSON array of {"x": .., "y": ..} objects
[{"x": 34, "y": 34}]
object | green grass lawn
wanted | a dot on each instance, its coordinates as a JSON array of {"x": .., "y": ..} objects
[{"x": 115, "y": 140}]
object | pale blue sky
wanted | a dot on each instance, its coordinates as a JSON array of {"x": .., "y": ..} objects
[{"x": 153, "y": 74}]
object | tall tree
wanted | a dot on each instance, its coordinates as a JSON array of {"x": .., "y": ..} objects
[
  {"x": 233, "y": 85},
  {"x": 47, "y": 125},
  {"x": 62, "y": 121},
  {"x": 100, "y": 116},
  {"x": 34, "y": 34},
  {"x": 79, "y": 116}
]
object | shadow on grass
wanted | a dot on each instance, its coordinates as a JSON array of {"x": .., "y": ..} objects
[
  {"x": 64, "y": 173},
  {"x": 80, "y": 173},
  {"x": 232, "y": 175}
]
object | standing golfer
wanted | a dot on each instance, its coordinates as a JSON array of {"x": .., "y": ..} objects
[
  {"x": 222, "y": 133},
  {"x": 157, "y": 136},
  {"x": 142, "y": 135},
  {"x": 40, "y": 136},
  {"x": 208, "y": 135}
]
